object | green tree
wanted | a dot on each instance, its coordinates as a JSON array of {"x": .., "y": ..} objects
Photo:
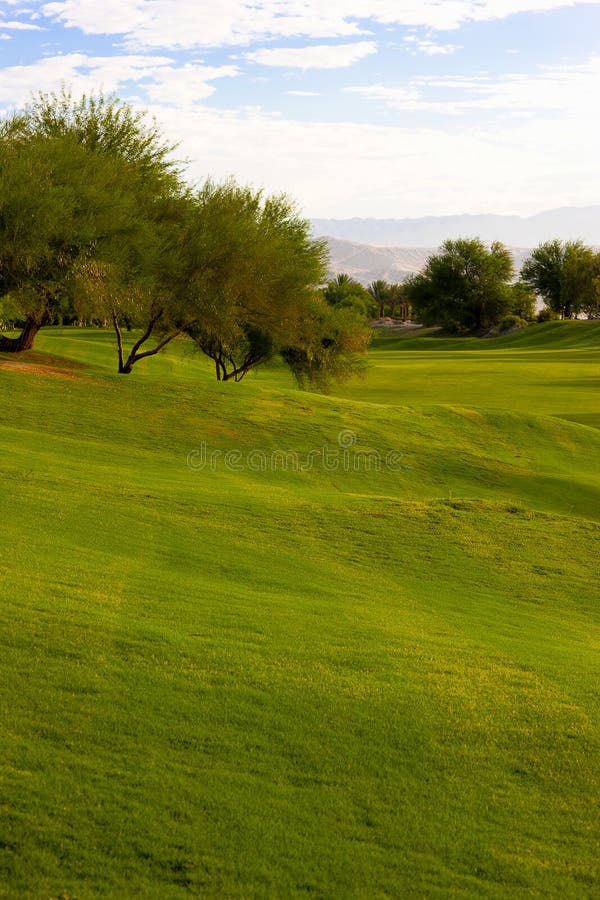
[
  {"x": 103, "y": 124},
  {"x": 329, "y": 345},
  {"x": 251, "y": 268},
  {"x": 145, "y": 285},
  {"x": 464, "y": 286},
  {"x": 344, "y": 292},
  {"x": 563, "y": 274},
  {"x": 93, "y": 214},
  {"x": 591, "y": 306},
  {"x": 247, "y": 264},
  {"x": 59, "y": 203},
  {"x": 252, "y": 273},
  {"x": 398, "y": 301},
  {"x": 522, "y": 301},
  {"x": 77, "y": 182},
  {"x": 380, "y": 292}
]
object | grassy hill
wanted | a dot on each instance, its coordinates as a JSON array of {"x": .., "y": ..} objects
[
  {"x": 549, "y": 369},
  {"x": 369, "y": 672},
  {"x": 563, "y": 335}
]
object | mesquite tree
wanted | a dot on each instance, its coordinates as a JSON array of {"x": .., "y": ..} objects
[
  {"x": 79, "y": 180},
  {"x": 466, "y": 285},
  {"x": 59, "y": 204},
  {"x": 565, "y": 276},
  {"x": 94, "y": 215}
]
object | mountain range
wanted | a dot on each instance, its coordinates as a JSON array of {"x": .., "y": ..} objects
[
  {"x": 568, "y": 223},
  {"x": 367, "y": 263}
]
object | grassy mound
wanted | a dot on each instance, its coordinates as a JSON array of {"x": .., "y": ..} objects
[
  {"x": 358, "y": 657},
  {"x": 547, "y": 369},
  {"x": 565, "y": 335}
]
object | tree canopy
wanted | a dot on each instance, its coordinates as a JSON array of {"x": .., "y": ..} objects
[
  {"x": 80, "y": 184},
  {"x": 95, "y": 217},
  {"x": 567, "y": 277},
  {"x": 251, "y": 266},
  {"x": 464, "y": 286},
  {"x": 344, "y": 292},
  {"x": 329, "y": 345}
]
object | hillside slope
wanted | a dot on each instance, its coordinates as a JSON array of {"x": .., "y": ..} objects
[
  {"x": 367, "y": 263},
  {"x": 568, "y": 223},
  {"x": 223, "y": 676}
]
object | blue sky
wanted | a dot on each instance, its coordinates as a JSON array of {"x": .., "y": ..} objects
[{"x": 381, "y": 108}]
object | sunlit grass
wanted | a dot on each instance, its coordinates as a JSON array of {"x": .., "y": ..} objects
[{"x": 267, "y": 683}]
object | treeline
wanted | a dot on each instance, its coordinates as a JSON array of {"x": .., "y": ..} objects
[
  {"x": 380, "y": 298},
  {"x": 468, "y": 286},
  {"x": 98, "y": 223}
]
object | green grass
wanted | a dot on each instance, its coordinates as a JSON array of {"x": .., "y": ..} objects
[
  {"x": 550, "y": 369},
  {"x": 567, "y": 335},
  {"x": 280, "y": 683}
]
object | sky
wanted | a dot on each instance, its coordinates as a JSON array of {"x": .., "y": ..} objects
[{"x": 370, "y": 108}]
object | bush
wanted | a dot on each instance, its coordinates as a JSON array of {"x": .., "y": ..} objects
[
  {"x": 512, "y": 321},
  {"x": 547, "y": 315}
]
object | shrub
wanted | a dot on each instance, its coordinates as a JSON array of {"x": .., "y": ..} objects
[
  {"x": 547, "y": 315},
  {"x": 512, "y": 321}
]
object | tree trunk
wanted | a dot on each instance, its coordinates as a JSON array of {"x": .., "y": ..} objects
[
  {"x": 126, "y": 367},
  {"x": 24, "y": 341}
]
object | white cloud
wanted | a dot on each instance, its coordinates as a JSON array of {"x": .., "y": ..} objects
[
  {"x": 350, "y": 169},
  {"x": 405, "y": 97},
  {"x": 155, "y": 24},
  {"x": 181, "y": 85},
  {"x": 20, "y": 26},
  {"x": 162, "y": 81},
  {"x": 567, "y": 91},
  {"x": 186, "y": 24},
  {"x": 320, "y": 56},
  {"x": 536, "y": 148},
  {"x": 431, "y": 48}
]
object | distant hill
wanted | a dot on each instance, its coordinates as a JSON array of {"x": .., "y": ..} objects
[
  {"x": 569, "y": 223},
  {"x": 367, "y": 263}
]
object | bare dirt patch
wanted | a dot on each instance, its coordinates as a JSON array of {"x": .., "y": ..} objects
[{"x": 46, "y": 366}]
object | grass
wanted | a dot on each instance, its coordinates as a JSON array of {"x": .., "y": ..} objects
[
  {"x": 270, "y": 683},
  {"x": 549, "y": 369}
]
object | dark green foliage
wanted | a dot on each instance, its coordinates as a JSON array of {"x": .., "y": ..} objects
[
  {"x": 566, "y": 275},
  {"x": 547, "y": 315},
  {"x": 329, "y": 345},
  {"x": 522, "y": 300},
  {"x": 252, "y": 271},
  {"x": 380, "y": 292},
  {"x": 344, "y": 292},
  {"x": 398, "y": 302},
  {"x": 512, "y": 321},
  {"x": 95, "y": 221},
  {"x": 10, "y": 312},
  {"x": 389, "y": 299},
  {"x": 80, "y": 183},
  {"x": 465, "y": 286}
]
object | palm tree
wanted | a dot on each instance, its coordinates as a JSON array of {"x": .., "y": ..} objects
[
  {"x": 380, "y": 292},
  {"x": 397, "y": 297}
]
